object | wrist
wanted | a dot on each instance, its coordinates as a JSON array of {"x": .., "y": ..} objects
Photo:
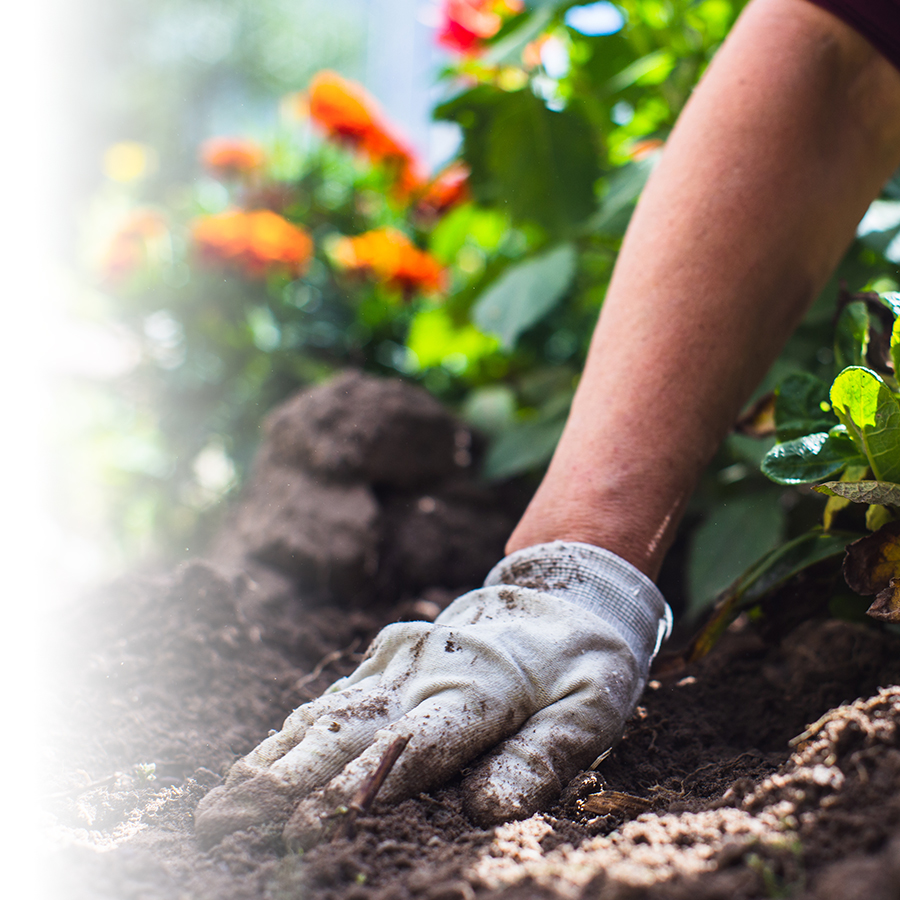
[{"x": 600, "y": 582}]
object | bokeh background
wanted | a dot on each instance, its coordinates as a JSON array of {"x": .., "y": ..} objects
[{"x": 258, "y": 194}]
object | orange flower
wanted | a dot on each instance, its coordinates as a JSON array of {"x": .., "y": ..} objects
[
  {"x": 141, "y": 239},
  {"x": 448, "y": 189},
  {"x": 231, "y": 157},
  {"x": 346, "y": 113},
  {"x": 255, "y": 242},
  {"x": 468, "y": 23},
  {"x": 640, "y": 149},
  {"x": 388, "y": 256}
]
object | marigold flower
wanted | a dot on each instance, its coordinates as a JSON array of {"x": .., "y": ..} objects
[
  {"x": 256, "y": 242},
  {"x": 227, "y": 157},
  {"x": 467, "y": 24},
  {"x": 347, "y": 113},
  {"x": 448, "y": 189},
  {"x": 141, "y": 239},
  {"x": 388, "y": 256}
]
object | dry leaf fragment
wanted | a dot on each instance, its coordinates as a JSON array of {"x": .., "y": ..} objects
[
  {"x": 872, "y": 566},
  {"x": 886, "y": 606},
  {"x": 614, "y": 803}
]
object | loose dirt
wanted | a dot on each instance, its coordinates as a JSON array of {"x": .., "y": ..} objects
[{"x": 159, "y": 684}]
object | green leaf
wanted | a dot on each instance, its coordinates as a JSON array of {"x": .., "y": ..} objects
[
  {"x": 736, "y": 533},
  {"x": 895, "y": 347},
  {"x": 624, "y": 188},
  {"x": 522, "y": 448},
  {"x": 525, "y": 293},
  {"x": 812, "y": 457},
  {"x": 508, "y": 49},
  {"x": 765, "y": 576},
  {"x": 891, "y": 299},
  {"x": 654, "y": 68},
  {"x": 851, "y": 337},
  {"x": 802, "y": 407},
  {"x": 540, "y": 164},
  {"x": 871, "y": 413},
  {"x": 882, "y": 493},
  {"x": 435, "y": 338}
]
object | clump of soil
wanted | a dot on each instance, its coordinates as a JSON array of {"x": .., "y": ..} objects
[{"x": 159, "y": 684}]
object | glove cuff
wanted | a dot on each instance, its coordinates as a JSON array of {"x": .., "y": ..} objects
[{"x": 596, "y": 580}]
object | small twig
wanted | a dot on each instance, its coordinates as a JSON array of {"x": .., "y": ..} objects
[
  {"x": 363, "y": 799},
  {"x": 326, "y": 661}
]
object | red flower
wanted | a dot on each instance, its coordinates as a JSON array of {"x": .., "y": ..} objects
[
  {"x": 255, "y": 242},
  {"x": 388, "y": 256},
  {"x": 346, "y": 113},
  {"x": 231, "y": 157},
  {"x": 468, "y": 23},
  {"x": 448, "y": 189}
]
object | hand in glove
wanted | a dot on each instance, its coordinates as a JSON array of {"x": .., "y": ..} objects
[{"x": 526, "y": 680}]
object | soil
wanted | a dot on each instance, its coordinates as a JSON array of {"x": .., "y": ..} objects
[{"x": 770, "y": 768}]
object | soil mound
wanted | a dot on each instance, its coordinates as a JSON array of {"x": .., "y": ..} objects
[{"x": 159, "y": 684}]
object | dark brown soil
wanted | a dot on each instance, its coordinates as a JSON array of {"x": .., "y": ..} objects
[{"x": 159, "y": 684}]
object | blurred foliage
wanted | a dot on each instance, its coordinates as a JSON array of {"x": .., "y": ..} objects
[{"x": 562, "y": 110}]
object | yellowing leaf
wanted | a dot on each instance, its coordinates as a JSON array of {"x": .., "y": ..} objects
[{"x": 872, "y": 566}]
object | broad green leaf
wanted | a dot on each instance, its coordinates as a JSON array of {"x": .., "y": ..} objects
[
  {"x": 812, "y": 457},
  {"x": 539, "y": 164},
  {"x": 522, "y": 448},
  {"x": 625, "y": 186},
  {"x": 525, "y": 293},
  {"x": 851, "y": 336},
  {"x": 871, "y": 413},
  {"x": 882, "y": 493},
  {"x": 802, "y": 407},
  {"x": 735, "y": 534}
]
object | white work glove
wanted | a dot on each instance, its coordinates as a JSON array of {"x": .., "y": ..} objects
[{"x": 541, "y": 667}]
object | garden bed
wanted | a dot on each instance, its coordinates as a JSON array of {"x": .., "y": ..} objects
[{"x": 161, "y": 683}]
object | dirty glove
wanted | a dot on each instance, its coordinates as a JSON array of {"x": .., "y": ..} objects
[{"x": 541, "y": 667}]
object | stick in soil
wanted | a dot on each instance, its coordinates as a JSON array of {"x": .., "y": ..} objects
[{"x": 363, "y": 799}]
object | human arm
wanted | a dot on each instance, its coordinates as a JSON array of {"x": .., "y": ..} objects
[
  {"x": 789, "y": 136},
  {"x": 792, "y": 132}
]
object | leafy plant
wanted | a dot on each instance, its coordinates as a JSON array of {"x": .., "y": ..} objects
[{"x": 329, "y": 245}]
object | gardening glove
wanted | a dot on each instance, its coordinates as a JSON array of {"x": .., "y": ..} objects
[{"x": 525, "y": 681}]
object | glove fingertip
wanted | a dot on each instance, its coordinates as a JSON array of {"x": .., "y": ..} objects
[
  {"x": 225, "y": 810},
  {"x": 502, "y": 789}
]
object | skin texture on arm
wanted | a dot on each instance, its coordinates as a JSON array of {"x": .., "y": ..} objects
[{"x": 792, "y": 132}]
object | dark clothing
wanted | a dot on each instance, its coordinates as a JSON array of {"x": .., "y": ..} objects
[{"x": 876, "y": 20}]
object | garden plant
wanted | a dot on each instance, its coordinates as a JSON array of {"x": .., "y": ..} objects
[{"x": 329, "y": 244}]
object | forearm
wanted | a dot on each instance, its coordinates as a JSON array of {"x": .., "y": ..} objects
[{"x": 790, "y": 135}]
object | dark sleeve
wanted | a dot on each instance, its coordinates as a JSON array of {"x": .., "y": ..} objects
[{"x": 876, "y": 20}]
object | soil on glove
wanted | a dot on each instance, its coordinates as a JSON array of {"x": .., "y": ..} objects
[{"x": 770, "y": 768}]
